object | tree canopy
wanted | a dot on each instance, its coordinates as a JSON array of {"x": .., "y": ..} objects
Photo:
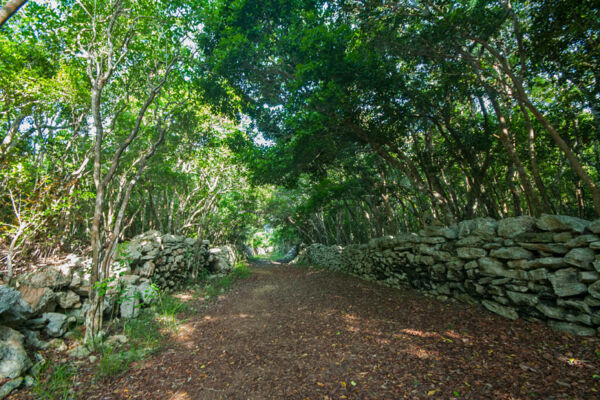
[{"x": 331, "y": 121}]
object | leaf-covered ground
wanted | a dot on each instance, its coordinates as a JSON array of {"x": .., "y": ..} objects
[{"x": 295, "y": 333}]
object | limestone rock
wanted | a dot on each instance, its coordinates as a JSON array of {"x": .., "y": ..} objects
[
  {"x": 594, "y": 226},
  {"x": 484, "y": 227},
  {"x": 129, "y": 280},
  {"x": 594, "y": 290},
  {"x": 470, "y": 241},
  {"x": 470, "y": 252},
  {"x": 589, "y": 276},
  {"x": 580, "y": 257},
  {"x": 79, "y": 352},
  {"x": 536, "y": 237},
  {"x": 582, "y": 241},
  {"x": 522, "y": 299},
  {"x": 506, "y": 312},
  {"x": 32, "y": 339},
  {"x": 57, "y": 345},
  {"x": 14, "y": 360},
  {"x": 511, "y": 253},
  {"x": 557, "y": 223},
  {"x": 13, "y": 309},
  {"x": 9, "y": 386},
  {"x": 565, "y": 282},
  {"x": 49, "y": 277},
  {"x": 68, "y": 299},
  {"x": 39, "y": 299},
  {"x": 551, "y": 311},
  {"x": 511, "y": 227},
  {"x": 130, "y": 306},
  {"x": 571, "y": 328},
  {"x": 56, "y": 324},
  {"x": 545, "y": 247},
  {"x": 540, "y": 274},
  {"x": 448, "y": 233},
  {"x": 547, "y": 262}
]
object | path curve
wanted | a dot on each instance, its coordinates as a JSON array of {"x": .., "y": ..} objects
[{"x": 296, "y": 333}]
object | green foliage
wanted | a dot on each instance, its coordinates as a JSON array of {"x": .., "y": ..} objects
[
  {"x": 212, "y": 286},
  {"x": 114, "y": 362},
  {"x": 54, "y": 382}
]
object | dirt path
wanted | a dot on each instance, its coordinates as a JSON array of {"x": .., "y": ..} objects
[{"x": 293, "y": 333}]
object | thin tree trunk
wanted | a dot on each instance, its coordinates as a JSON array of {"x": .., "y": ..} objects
[{"x": 11, "y": 7}]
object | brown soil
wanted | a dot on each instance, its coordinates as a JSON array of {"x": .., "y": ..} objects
[{"x": 294, "y": 333}]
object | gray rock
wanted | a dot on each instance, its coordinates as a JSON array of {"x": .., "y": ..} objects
[
  {"x": 565, "y": 282},
  {"x": 522, "y": 299},
  {"x": 448, "y": 233},
  {"x": 147, "y": 269},
  {"x": 545, "y": 247},
  {"x": 49, "y": 277},
  {"x": 68, "y": 299},
  {"x": 56, "y": 324},
  {"x": 470, "y": 241},
  {"x": 9, "y": 386},
  {"x": 592, "y": 302},
  {"x": 57, "y": 345},
  {"x": 540, "y": 274},
  {"x": 594, "y": 290},
  {"x": 79, "y": 352},
  {"x": 491, "y": 266},
  {"x": 511, "y": 253},
  {"x": 511, "y": 227},
  {"x": 13, "y": 309},
  {"x": 589, "y": 276},
  {"x": 550, "y": 311},
  {"x": 39, "y": 299},
  {"x": 580, "y": 257},
  {"x": 579, "y": 305},
  {"x": 504, "y": 311},
  {"x": 595, "y": 245},
  {"x": 535, "y": 237},
  {"x": 129, "y": 280},
  {"x": 130, "y": 305},
  {"x": 32, "y": 339},
  {"x": 594, "y": 226},
  {"x": 484, "y": 227},
  {"x": 470, "y": 252},
  {"x": 557, "y": 223},
  {"x": 547, "y": 262},
  {"x": 14, "y": 360},
  {"x": 28, "y": 381},
  {"x": 582, "y": 241},
  {"x": 571, "y": 328}
]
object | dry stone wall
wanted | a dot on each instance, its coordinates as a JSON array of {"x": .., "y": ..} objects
[
  {"x": 540, "y": 269},
  {"x": 46, "y": 302}
]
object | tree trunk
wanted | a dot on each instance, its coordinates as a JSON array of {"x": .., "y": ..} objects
[{"x": 11, "y": 7}]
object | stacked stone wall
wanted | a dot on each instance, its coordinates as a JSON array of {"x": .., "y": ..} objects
[
  {"x": 49, "y": 300},
  {"x": 540, "y": 269}
]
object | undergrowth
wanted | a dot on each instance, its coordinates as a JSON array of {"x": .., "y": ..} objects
[
  {"x": 144, "y": 335},
  {"x": 211, "y": 286},
  {"x": 54, "y": 383},
  {"x": 146, "y": 332}
]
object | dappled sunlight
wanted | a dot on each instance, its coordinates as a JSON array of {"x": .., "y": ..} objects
[
  {"x": 415, "y": 332},
  {"x": 180, "y": 396}
]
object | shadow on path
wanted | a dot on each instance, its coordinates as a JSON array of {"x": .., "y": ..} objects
[{"x": 296, "y": 333}]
